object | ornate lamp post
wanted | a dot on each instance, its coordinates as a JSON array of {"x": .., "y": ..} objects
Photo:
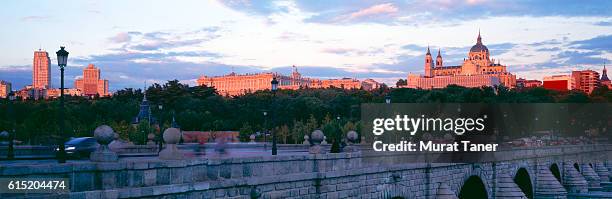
[
  {"x": 11, "y": 150},
  {"x": 265, "y": 130},
  {"x": 161, "y": 128},
  {"x": 62, "y": 58},
  {"x": 274, "y": 83}
]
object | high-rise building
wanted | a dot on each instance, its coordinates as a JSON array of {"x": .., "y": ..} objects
[
  {"x": 41, "y": 71},
  {"x": 585, "y": 80},
  {"x": 475, "y": 71},
  {"x": 91, "y": 84},
  {"x": 5, "y": 89}
]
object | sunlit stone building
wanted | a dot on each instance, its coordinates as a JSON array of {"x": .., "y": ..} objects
[
  {"x": 5, "y": 89},
  {"x": 56, "y": 92},
  {"x": 528, "y": 83},
  {"x": 237, "y": 84},
  {"x": 475, "y": 71},
  {"x": 91, "y": 84},
  {"x": 41, "y": 70}
]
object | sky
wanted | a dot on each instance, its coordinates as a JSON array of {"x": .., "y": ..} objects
[{"x": 159, "y": 40}]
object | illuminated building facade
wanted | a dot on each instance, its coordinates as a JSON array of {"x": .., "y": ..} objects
[
  {"x": 344, "y": 83},
  {"x": 585, "y": 80},
  {"x": 235, "y": 84},
  {"x": 91, "y": 84},
  {"x": 475, "y": 71},
  {"x": 5, "y": 89},
  {"x": 370, "y": 84},
  {"x": 528, "y": 83},
  {"x": 55, "y": 92},
  {"x": 29, "y": 92},
  {"x": 558, "y": 82},
  {"x": 41, "y": 71}
]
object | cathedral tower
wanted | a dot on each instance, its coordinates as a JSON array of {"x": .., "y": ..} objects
[
  {"x": 604, "y": 74},
  {"x": 439, "y": 59},
  {"x": 428, "y": 64}
]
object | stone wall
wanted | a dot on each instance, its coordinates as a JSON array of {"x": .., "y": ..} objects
[{"x": 303, "y": 176}]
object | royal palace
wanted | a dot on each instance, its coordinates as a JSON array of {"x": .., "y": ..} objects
[{"x": 237, "y": 84}]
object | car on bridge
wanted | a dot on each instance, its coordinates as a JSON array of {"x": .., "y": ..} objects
[{"x": 80, "y": 147}]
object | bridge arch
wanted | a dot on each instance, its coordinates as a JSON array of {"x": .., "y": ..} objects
[
  {"x": 523, "y": 180},
  {"x": 554, "y": 169},
  {"x": 473, "y": 188}
]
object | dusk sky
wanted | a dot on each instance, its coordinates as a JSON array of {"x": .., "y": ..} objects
[{"x": 159, "y": 40}]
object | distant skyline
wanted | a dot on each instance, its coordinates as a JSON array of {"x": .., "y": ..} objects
[{"x": 159, "y": 40}]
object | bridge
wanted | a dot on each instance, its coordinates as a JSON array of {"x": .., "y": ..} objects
[{"x": 543, "y": 172}]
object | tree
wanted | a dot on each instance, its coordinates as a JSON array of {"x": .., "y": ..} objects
[
  {"x": 245, "y": 132},
  {"x": 139, "y": 134},
  {"x": 202, "y": 108},
  {"x": 401, "y": 83},
  {"x": 298, "y": 131}
]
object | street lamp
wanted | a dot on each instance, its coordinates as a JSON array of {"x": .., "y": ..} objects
[
  {"x": 161, "y": 128},
  {"x": 265, "y": 130},
  {"x": 274, "y": 83},
  {"x": 11, "y": 135},
  {"x": 62, "y": 58},
  {"x": 388, "y": 99},
  {"x": 558, "y": 131}
]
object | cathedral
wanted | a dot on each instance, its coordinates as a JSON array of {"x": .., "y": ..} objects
[{"x": 477, "y": 70}]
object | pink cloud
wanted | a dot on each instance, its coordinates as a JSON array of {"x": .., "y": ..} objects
[
  {"x": 386, "y": 8},
  {"x": 120, "y": 37}
]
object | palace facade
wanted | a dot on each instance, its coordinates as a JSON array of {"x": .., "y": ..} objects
[
  {"x": 237, "y": 84},
  {"x": 475, "y": 71}
]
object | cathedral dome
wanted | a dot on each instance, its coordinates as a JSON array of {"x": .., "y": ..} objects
[{"x": 479, "y": 47}]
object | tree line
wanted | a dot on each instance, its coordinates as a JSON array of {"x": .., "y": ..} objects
[{"x": 291, "y": 113}]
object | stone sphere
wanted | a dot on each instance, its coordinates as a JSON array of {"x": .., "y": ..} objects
[
  {"x": 306, "y": 137},
  {"x": 104, "y": 134},
  {"x": 150, "y": 136},
  {"x": 317, "y": 136},
  {"x": 351, "y": 136},
  {"x": 172, "y": 135},
  {"x": 252, "y": 137}
]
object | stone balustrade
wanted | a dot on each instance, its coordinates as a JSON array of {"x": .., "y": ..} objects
[{"x": 334, "y": 175}]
